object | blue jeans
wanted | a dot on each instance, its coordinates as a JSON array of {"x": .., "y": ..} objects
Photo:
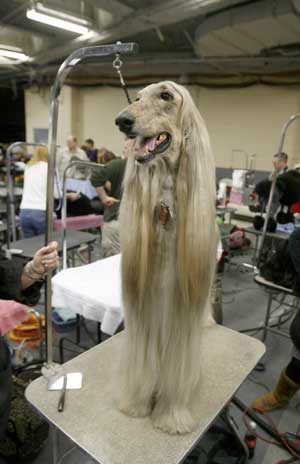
[{"x": 33, "y": 222}]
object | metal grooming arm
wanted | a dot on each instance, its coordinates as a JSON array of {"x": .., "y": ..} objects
[
  {"x": 11, "y": 219},
  {"x": 64, "y": 203},
  {"x": 274, "y": 179},
  {"x": 75, "y": 58}
]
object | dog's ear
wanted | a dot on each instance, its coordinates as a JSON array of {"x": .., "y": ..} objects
[{"x": 197, "y": 231}]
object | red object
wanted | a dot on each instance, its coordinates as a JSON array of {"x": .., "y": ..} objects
[
  {"x": 90, "y": 221},
  {"x": 295, "y": 208},
  {"x": 250, "y": 440}
]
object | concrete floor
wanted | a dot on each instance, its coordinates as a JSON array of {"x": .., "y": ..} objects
[{"x": 244, "y": 304}]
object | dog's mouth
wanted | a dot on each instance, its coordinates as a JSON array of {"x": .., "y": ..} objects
[{"x": 147, "y": 148}]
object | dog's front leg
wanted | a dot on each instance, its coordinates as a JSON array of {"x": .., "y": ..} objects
[{"x": 137, "y": 383}]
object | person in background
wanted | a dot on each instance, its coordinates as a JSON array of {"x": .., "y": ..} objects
[
  {"x": 108, "y": 183},
  {"x": 34, "y": 200},
  {"x": 105, "y": 156},
  {"x": 33, "y": 204},
  {"x": 92, "y": 153},
  {"x": 281, "y": 160},
  {"x": 72, "y": 153},
  {"x": 22, "y": 284},
  {"x": 289, "y": 380}
]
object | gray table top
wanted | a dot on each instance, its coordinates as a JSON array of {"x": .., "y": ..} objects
[
  {"x": 279, "y": 235},
  {"x": 92, "y": 420},
  {"x": 31, "y": 245}
]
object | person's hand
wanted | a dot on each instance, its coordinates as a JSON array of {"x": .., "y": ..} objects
[
  {"x": 11, "y": 314},
  {"x": 109, "y": 201},
  {"x": 73, "y": 196},
  {"x": 46, "y": 259}
]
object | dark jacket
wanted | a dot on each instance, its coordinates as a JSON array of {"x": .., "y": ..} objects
[
  {"x": 114, "y": 173},
  {"x": 10, "y": 289},
  {"x": 288, "y": 187}
]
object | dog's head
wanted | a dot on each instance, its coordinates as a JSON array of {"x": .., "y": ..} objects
[{"x": 155, "y": 121}]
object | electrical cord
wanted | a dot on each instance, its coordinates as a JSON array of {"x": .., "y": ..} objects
[
  {"x": 247, "y": 411},
  {"x": 66, "y": 454}
]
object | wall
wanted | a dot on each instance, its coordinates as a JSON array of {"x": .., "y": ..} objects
[
  {"x": 37, "y": 107},
  {"x": 248, "y": 119}
]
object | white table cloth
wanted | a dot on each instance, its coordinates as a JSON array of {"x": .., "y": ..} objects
[
  {"x": 94, "y": 291},
  {"x": 83, "y": 186}
]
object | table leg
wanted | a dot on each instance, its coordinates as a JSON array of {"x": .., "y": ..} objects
[
  {"x": 267, "y": 318},
  {"x": 78, "y": 327},
  {"x": 99, "y": 332},
  {"x": 54, "y": 442}
]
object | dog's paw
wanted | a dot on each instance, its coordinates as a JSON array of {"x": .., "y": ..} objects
[
  {"x": 174, "y": 421},
  {"x": 134, "y": 409},
  {"x": 210, "y": 321}
]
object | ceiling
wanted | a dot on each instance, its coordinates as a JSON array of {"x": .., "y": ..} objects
[{"x": 210, "y": 42}]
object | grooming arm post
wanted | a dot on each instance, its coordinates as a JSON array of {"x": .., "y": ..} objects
[
  {"x": 64, "y": 204},
  {"x": 65, "y": 68},
  {"x": 273, "y": 185}
]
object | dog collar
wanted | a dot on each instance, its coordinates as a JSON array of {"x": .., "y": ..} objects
[{"x": 165, "y": 215}]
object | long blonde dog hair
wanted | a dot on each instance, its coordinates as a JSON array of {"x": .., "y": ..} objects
[
  {"x": 167, "y": 273},
  {"x": 195, "y": 191}
]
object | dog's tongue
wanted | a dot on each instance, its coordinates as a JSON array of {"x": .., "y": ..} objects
[{"x": 140, "y": 147}]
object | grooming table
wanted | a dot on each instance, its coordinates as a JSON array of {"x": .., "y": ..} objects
[
  {"x": 93, "y": 422},
  {"x": 273, "y": 289},
  {"x": 29, "y": 246},
  {"x": 93, "y": 291},
  {"x": 90, "y": 221}
]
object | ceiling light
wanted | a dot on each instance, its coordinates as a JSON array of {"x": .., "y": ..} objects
[
  {"x": 57, "y": 19},
  {"x": 13, "y": 54}
]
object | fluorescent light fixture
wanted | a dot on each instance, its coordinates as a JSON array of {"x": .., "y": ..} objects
[
  {"x": 57, "y": 19},
  {"x": 13, "y": 54}
]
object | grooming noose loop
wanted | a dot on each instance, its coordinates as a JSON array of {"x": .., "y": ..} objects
[{"x": 117, "y": 65}]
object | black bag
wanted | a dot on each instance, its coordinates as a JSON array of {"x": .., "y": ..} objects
[
  {"x": 219, "y": 445},
  {"x": 26, "y": 431},
  {"x": 277, "y": 265}
]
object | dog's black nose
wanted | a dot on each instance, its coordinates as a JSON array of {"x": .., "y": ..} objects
[{"x": 125, "y": 121}]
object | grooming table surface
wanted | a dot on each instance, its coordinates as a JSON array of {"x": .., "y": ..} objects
[
  {"x": 90, "y": 221},
  {"x": 94, "y": 291},
  {"x": 93, "y": 422},
  {"x": 74, "y": 240}
]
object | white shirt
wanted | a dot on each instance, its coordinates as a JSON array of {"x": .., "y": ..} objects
[
  {"x": 65, "y": 157},
  {"x": 35, "y": 187}
]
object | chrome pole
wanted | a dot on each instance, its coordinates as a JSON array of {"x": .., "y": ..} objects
[
  {"x": 274, "y": 179},
  {"x": 76, "y": 57},
  {"x": 11, "y": 212},
  {"x": 64, "y": 204}
]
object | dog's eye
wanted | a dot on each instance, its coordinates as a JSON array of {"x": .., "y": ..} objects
[
  {"x": 166, "y": 96},
  {"x": 137, "y": 99}
]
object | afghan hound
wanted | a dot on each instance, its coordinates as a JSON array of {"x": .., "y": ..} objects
[{"x": 168, "y": 243}]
